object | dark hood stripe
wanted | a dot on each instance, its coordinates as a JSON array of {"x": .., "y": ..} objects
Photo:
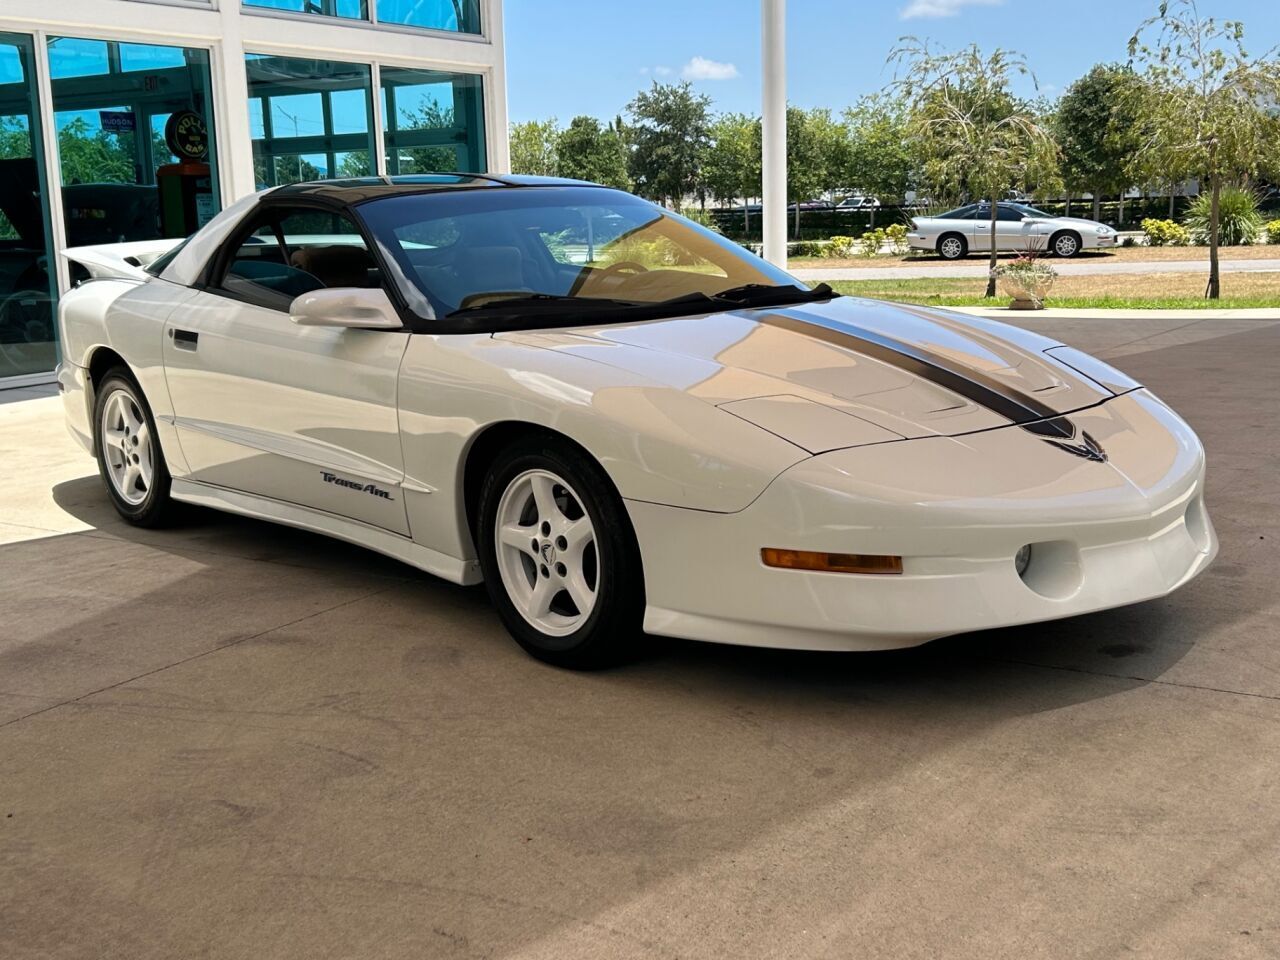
[{"x": 1021, "y": 408}]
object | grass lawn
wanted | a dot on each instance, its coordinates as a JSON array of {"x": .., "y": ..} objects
[
  {"x": 1118, "y": 255},
  {"x": 1150, "y": 291}
]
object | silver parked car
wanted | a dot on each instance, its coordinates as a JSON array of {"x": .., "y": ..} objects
[{"x": 1018, "y": 228}]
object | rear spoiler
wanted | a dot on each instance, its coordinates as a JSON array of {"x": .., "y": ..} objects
[{"x": 121, "y": 261}]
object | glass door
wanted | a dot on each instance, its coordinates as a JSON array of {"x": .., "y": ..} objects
[{"x": 27, "y": 283}]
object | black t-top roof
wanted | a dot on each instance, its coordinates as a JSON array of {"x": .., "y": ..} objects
[{"x": 360, "y": 189}]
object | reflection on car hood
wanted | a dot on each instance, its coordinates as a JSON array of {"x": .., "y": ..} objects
[{"x": 847, "y": 371}]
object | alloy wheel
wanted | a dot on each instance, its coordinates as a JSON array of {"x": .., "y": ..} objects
[
  {"x": 547, "y": 552},
  {"x": 127, "y": 447}
]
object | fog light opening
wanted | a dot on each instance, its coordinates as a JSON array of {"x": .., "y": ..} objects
[{"x": 1022, "y": 560}]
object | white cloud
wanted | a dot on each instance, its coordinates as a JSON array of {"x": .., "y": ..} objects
[
  {"x": 663, "y": 71},
  {"x": 700, "y": 68},
  {"x": 931, "y": 9}
]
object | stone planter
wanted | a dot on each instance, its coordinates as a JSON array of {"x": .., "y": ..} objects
[{"x": 1026, "y": 286}]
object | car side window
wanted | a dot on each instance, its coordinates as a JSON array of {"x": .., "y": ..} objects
[
  {"x": 287, "y": 252},
  {"x": 964, "y": 213},
  {"x": 1009, "y": 215}
]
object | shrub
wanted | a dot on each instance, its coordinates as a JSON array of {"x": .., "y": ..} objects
[
  {"x": 840, "y": 247},
  {"x": 896, "y": 235},
  {"x": 870, "y": 242},
  {"x": 1165, "y": 233},
  {"x": 1239, "y": 222},
  {"x": 807, "y": 248},
  {"x": 701, "y": 217},
  {"x": 1273, "y": 231}
]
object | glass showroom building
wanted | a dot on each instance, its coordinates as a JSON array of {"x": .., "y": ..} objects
[{"x": 136, "y": 119}]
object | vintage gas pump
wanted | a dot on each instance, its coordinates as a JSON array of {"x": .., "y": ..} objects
[{"x": 186, "y": 187}]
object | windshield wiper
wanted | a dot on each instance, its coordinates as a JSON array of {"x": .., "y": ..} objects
[
  {"x": 538, "y": 302},
  {"x": 771, "y": 294},
  {"x": 544, "y": 307}
]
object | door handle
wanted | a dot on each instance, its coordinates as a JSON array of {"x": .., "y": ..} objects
[{"x": 184, "y": 339}]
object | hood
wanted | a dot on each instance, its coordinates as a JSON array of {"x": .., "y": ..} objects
[{"x": 846, "y": 372}]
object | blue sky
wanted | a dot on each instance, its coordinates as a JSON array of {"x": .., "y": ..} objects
[{"x": 566, "y": 57}]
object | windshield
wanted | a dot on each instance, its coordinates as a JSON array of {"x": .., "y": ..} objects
[
  {"x": 580, "y": 248},
  {"x": 1026, "y": 211}
]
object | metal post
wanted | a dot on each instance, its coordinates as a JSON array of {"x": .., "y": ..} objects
[{"x": 774, "y": 132}]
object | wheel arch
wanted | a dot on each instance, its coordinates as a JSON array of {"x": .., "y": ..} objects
[
  {"x": 98, "y": 362},
  {"x": 964, "y": 241},
  {"x": 1053, "y": 238},
  {"x": 484, "y": 449}
]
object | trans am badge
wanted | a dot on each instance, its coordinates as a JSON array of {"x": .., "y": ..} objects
[{"x": 355, "y": 485}]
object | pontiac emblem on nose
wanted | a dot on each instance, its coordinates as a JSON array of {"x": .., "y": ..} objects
[
  {"x": 548, "y": 553},
  {"x": 1088, "y": 448}
]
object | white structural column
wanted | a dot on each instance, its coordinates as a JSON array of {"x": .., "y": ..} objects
[
  {"x": 774, "y": 132},
  {"x": 231, "y": 109}
]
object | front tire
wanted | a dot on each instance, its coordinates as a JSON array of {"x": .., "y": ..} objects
[
  {"x": 559, "y": 556},
  {"x": 952, "y": 246},
  {"x": 128, "y": 451},
  {"x": 1065, "y": 244}
]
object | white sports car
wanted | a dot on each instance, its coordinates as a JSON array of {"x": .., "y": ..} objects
[
  {"x": 1019, "y": 229},
  {"x": 620, "y": 421}
]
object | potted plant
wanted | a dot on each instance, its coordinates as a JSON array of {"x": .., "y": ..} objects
[{"x": 1027, "y": 280}]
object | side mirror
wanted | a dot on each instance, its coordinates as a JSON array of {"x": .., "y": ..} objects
[{"x": 355, "y": 307}]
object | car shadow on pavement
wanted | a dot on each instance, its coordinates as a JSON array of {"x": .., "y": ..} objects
[{"x": 1019, "y": 669}]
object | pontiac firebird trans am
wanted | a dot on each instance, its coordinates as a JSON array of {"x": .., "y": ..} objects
[{"x": 620, "y": 421}]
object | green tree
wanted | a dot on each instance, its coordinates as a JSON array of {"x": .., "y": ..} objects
[
  {"x": 95, "y": 156},
  {"x": 355, "y": 164},
  {"x": 878, "y": 160},
  {"x": 1097, "y": 130},
  {"x": 1211, "y": 107},
  {"x": 533, "y": 147},
  {"x": 731, "y": 165},
  {"x": 815, "y": 145},
  {"x": 427, "y": 158},
  {"x": 15, "y": 137},
  {"x": 970, "y": 132},
  {"x": 588, "y": 150},
  {"x": 669, "y": 135}
]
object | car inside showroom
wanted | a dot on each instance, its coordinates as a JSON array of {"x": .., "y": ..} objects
[{"x": 114, "y": 131}]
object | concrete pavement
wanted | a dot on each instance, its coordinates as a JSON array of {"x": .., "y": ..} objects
[
  {"x": 234, "y": 740},
  {"x": 1075, "y": 268}
]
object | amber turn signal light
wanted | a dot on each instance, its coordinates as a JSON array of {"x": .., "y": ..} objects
[{"x": 829, "y": 562}]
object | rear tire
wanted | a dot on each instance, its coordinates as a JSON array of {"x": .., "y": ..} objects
[
  {"x": 559, "y": 555},
  {"x": 128, "y": 451},
  {"x": 953, "y": 246}
]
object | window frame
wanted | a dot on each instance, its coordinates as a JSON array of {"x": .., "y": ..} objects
[{"x": 214, "y": 274}]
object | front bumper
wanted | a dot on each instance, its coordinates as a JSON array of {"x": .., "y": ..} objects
[{"x": 957, "y": 510}]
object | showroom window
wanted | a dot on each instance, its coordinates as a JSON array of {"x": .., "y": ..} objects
[
  {"x": 348, "y": 9},
  {"x": 27, "y": 284},
  {"x": 309, "y": 119},
  {"x": 455, "y": 16},
  {"x": 460, "y": 16},
  {"x": 135, "y": 139},
  {"x": 434, "y": 121}
]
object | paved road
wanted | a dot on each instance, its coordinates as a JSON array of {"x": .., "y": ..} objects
[
  {"x": 233, "y": 740},
  {"x": 1081, "y": 268}
]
